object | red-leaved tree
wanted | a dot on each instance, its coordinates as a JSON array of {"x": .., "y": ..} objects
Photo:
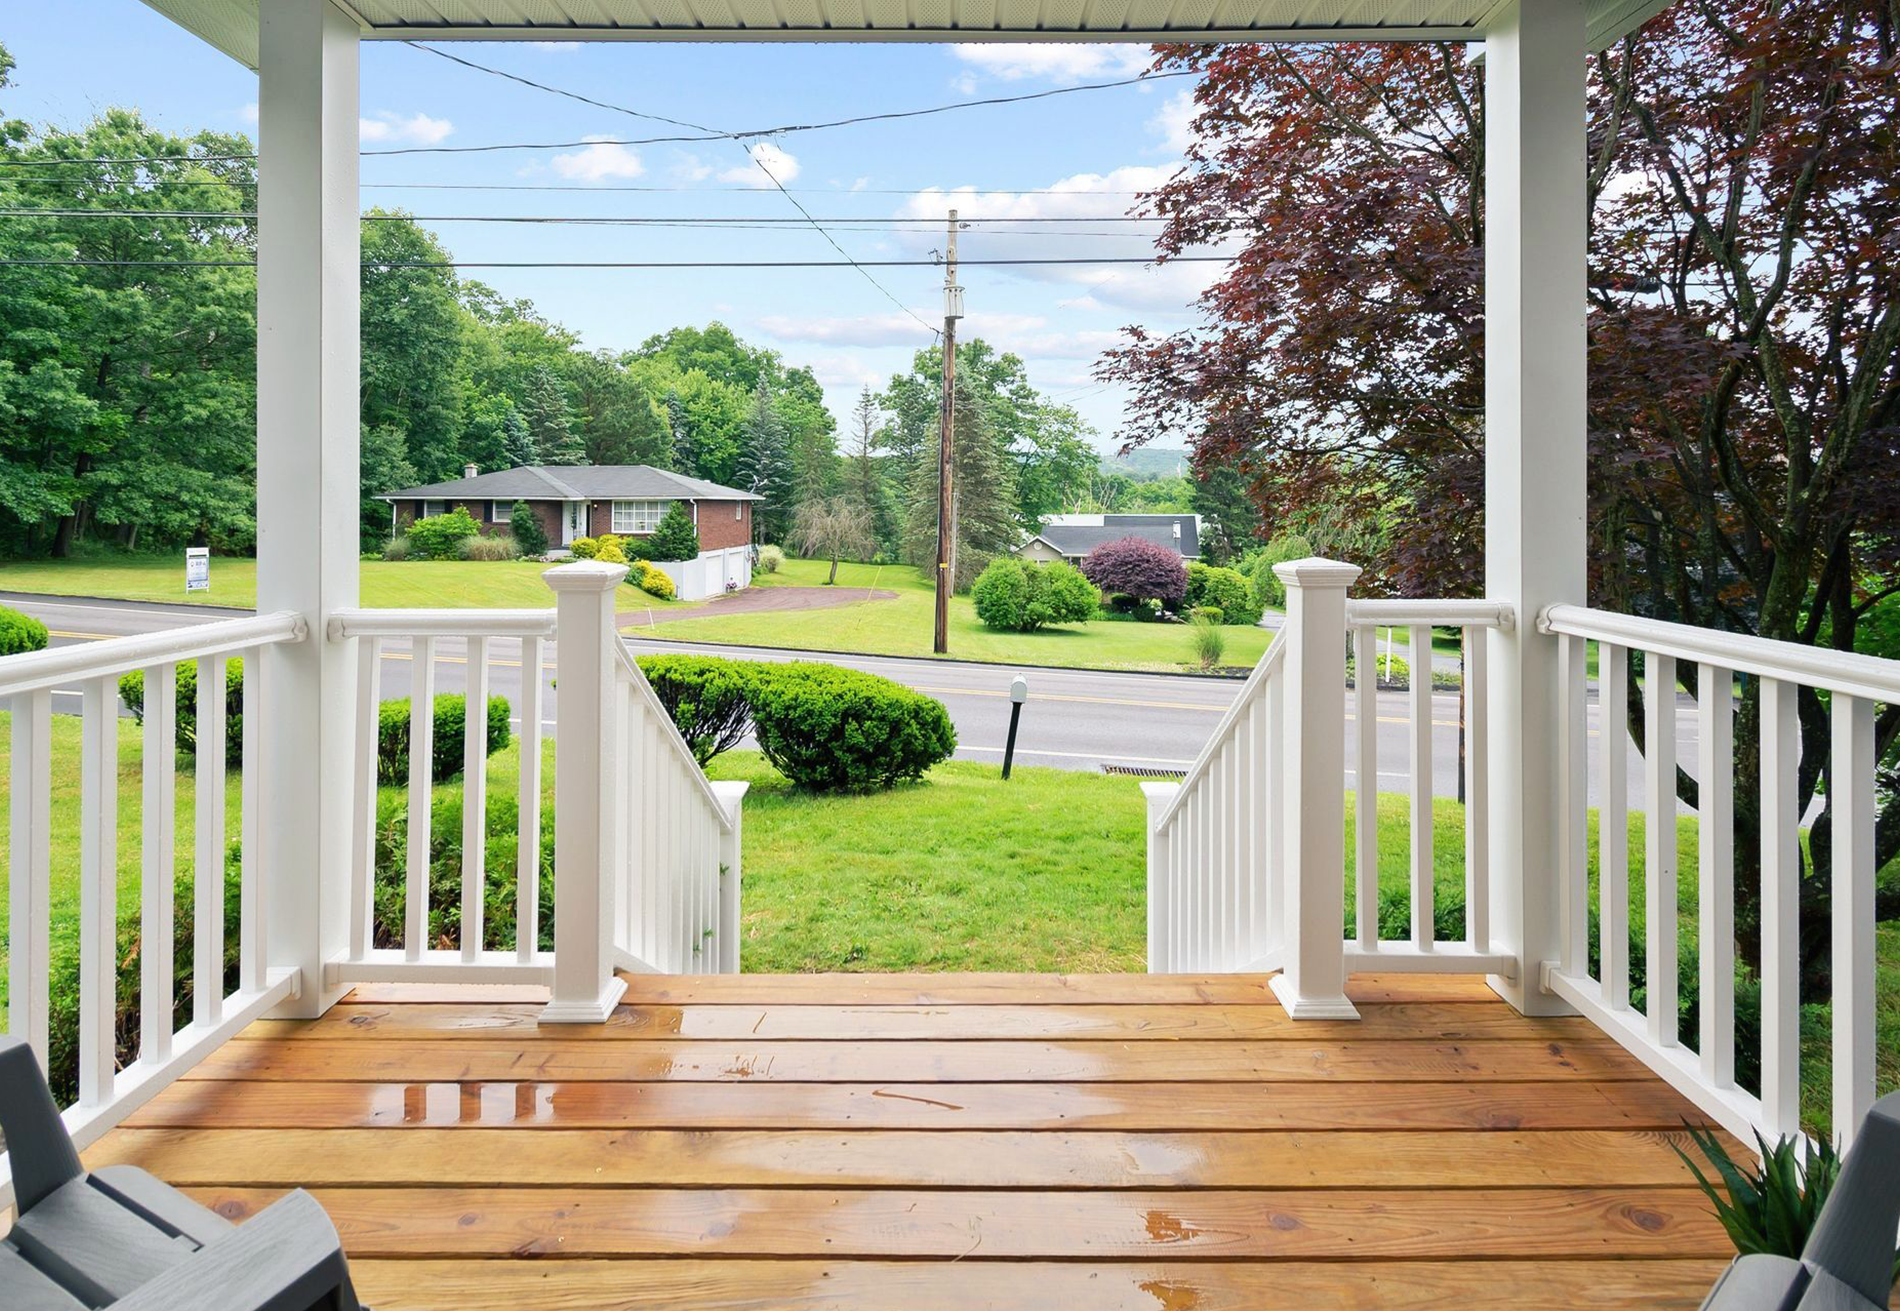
[{"x": 1137, "y": 567}]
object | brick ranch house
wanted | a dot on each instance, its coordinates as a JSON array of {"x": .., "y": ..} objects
[
  {"x": 586, "y": 500},
  {"x": 1071, "y": 537}
]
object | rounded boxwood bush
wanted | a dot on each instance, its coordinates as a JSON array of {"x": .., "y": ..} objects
[
  {"x": 1020, "y": 596},
  {"x": 392, "y": 736},
  {"x": 832, "y": 729},
  {"x": 709, "y": 699},
  {"x": 1227, "y": 590},
  {"x": 185, "y": 711},
  {"x": 440, "y": 536},
  {"x": 20, "y": 633},
  {"x": 1001, "y": 594}
]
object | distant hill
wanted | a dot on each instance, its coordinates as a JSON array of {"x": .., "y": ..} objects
[{"x": 1149, "y": 462}]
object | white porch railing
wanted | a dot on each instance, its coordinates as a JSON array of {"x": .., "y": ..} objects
[
  {"x": 1246, "y": 855},
  {"x": 1854, "y": 684},
  {"x": 106, "y": 1093}
]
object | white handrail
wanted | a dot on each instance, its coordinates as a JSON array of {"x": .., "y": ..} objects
[
  {"x": 669, "y": 733},
  {"x": 1404, "y": 613},
  {"x": 1249, "y": 691},
  {"x": 121, "y": 655},
  {"x": 1834, "y": 671},
  {"x": 440, "y": 623}
]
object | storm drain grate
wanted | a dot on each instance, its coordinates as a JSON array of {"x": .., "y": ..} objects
[{"x": 1144, "y": 771}]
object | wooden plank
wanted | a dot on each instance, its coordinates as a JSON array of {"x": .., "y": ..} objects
[
  {"x": 1018, "y": 989},
  {"x": 1154, "y": 1106},
  {"x": 1664, "y": 1285},
  {"x": 904, "y": 1158},
  {"x": 381, "y": 1061},
  {"x": 973, "y": 1225},
  {"x": 1422, "y": 1022}
]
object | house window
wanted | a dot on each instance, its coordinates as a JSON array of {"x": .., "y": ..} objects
[
  {"x": 738, "y": 507},
  {"x": 638, "y": 516},
  {"x": 433, "y": 508},
  {"x": 498, "y": 511}
]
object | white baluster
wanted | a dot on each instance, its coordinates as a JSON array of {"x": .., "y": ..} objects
[
  {"x": 1158, "y": 795},
  {"x": 369, "y": 691},
  {"x": 1477, "y": 794},
  {"x": 475, "y": 799},
  {"x": 528, "y": 807},
  {"x": 1424, "y": 862},
  {"x": 29, "y": 886},
  {"x": 1573, "y": 769},
  {"x": 1279, "y": 852},
  {"x": 1264, "y": 915},
  {"x": 1780, "y": 910},
  {"x": 157, "y": 864},
  {"x": 1365, "y": 817},
  {"x": 421, "y": 796},
  {"x": 253, "y": 958},
  {"x": 1613, "y": 883},
  {"x": 633, "y": 731},
  {"x": 207, "y": 873},
  {"x": 1715, "y": 880},
  {"x": 1243, "y": 945},
  {"x": 98, "y": 889},
  {"x": 732, "y": 882},
  {"x": 1660, "y": 885},
  {"x": 1851, "y": 803}
]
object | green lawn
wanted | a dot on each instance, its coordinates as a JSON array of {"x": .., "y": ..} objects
[
  {"x": 412, "y": 584},
  {"x": 960, "y": 872},
  {"x": 904, "y": 626}
]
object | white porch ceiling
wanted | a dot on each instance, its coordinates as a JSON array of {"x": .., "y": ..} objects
[{"x": 231, "y": 25}]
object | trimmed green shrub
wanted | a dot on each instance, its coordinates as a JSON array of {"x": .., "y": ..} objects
[
  {"x": 20, "y": 633},
  {"x": 676, "y": 538},
  {"x": 770, "y": 558},
  {"x": 440, "y": 536},
  {"x": 607, "y": 552},
  {"x": 392, "y": 737},
  {"x": 832, "y": 729},
  {"x": 1268, "y": 590},
  {"x": 132, "y": 692},
  {"x": 1018, "y": 596},
  {"x": 491, "y": 546},
  {"x": 583, "y": 548},
  {"x": 1211, "y": 613},
  {"x": 652, "y": 580},
  {"x": 709, "y": 699},
  {"x": 526, "y": 529},
  {"x": 1227, "y": 590}
]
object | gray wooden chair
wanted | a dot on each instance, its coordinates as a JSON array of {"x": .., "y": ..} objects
[
  {"x": 1847, "y": 1263},
  {"x": 119, "y": 1238}
]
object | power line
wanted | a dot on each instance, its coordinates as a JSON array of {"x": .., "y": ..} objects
[
  {"x": 960, "y": 192},
  {"x": 892, "y": 223},
  {"x": 627, "y": 264}
]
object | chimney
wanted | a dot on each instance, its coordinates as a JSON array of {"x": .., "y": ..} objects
[
  {"x": 1177, "y": 528},
  {"x": 469, "y": 471}
]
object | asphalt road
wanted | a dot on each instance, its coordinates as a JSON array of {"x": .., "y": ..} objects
[{"x": 1074, "y": 720}]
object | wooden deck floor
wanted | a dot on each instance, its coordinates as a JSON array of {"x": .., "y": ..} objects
[{"x": 946, "y": 1141}]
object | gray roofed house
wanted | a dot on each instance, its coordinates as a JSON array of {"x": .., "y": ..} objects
[{"x": 1070, "y": 537}]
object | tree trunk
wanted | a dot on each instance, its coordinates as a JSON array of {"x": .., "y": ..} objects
[{"x": 831, "y": 581}]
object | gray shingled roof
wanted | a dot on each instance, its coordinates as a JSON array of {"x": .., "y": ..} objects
[
  {"x": 573, "y": 482},
  {"x": 1080, "y": 539}
]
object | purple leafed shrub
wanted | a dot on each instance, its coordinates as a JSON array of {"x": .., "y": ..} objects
[{"x": 1138, "y": 567}]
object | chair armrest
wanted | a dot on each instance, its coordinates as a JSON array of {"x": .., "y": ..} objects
[
  {"x": 39, "y": 1150},
  {"x": 287, "y": 1258}
]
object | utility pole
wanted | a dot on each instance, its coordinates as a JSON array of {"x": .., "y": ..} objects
[{"x": 946, "y": 499}]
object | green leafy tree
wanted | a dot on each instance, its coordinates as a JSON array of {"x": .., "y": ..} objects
[
  {"x": 383, "y": 467},
  {"x": 526, "y": 528},
  {"x": 545, "y": 409},
  {"x": 764, "y": 466},
  {"x": 833, "y": 529},
  {"x": 675, "y": 538},
  {"x": 864, "y": 476},
  {"x": 413, "y": 325},
  {"x": 620, "y": 422}
]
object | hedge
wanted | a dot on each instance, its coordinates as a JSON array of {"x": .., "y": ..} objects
[
  {"x": 709, "y": 700},
  {"x": 832, "y": 729},
  {"x": 1227, "y": 590},
  {"x": 392, "y": 736},
  {"x": 132, "y": 692},
  {"x": 1019, "y": 596},
  {"x": 20, "y": 633},
  {"x": 439, "y": 537}
]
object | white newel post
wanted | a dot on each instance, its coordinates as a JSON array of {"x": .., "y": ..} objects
[
  {"x": 1535, "y": 371},
  {"x": 586, "y": 793},
  {"x": 1312, "y": 984},
  {"x": 1159, "y": 796},
  {"x": 308, "y": 259}
]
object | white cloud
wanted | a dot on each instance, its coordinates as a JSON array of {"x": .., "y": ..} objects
[
  {"x": 598, "y": 162},
  {"x": 392, "y": 129},
  {"x": 249, "y": 113},
  {"x": 1029, "y": 335},
  {"x": 1174, "y": 123},
  {"x": 860, "y": 184},
  {"x": 692, "y": 168},
  {"x": 555, "y": 47},
  {"x": 783, "y": 165},
  {"x": 1062, "y": 62}
]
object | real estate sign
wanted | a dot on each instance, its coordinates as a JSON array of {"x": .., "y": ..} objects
[{"x": 197, "y": 569}]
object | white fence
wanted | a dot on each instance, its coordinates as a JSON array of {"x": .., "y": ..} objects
[
  {"x": 647, "y": 851},
  {"x": 107, "y": 1094},
  {"x": 1854, "y": 685}
]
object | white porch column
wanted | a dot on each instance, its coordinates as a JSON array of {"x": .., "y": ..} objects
[
  {"x": 307, "y": 495},
  {"x": 1312, "y": 982},
  {"x": 1534, "y": 450}
]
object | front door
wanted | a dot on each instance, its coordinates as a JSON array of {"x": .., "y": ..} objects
[{"x": 574, "y": 522}]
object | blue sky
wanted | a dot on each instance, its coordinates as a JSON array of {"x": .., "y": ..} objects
[{"x": 1094, "y": 148}]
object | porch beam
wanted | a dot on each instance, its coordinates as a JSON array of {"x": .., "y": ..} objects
[
  {"x": 308, "y": 260},
  {"x": 1535, "y": 146}
]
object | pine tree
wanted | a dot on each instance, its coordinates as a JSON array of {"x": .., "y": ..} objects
[
  {"x": 765, "y": 467},
  {"x": 983, "y": 483},
  {"x": 685, "y": 448},
  {"x": 517, "y": 442},
  {"x": 546, "y": 412},
  {"x": 865, "y": 477}
]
